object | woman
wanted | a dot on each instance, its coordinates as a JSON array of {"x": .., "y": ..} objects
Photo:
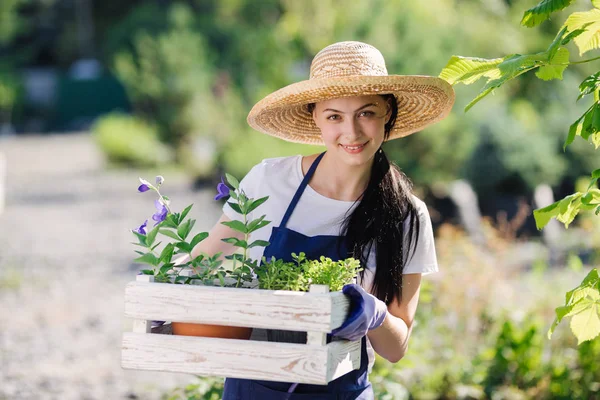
[{"x": 347, "y": 201}]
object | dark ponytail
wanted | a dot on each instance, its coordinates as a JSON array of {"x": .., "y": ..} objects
[
  {"x": 379, "y": 220},
  {"x": 378, "y": 223}
]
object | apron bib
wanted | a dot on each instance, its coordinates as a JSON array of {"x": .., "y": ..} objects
[{"x": 284, "y": 242}]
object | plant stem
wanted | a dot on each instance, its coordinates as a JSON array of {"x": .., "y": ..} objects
[{"x": 572, "y": 62}]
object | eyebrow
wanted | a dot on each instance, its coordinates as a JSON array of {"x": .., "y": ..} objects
[{"x": 341, "y": 112}]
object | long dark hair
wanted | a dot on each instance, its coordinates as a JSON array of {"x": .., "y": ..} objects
[{"x": 379, "y": 220}]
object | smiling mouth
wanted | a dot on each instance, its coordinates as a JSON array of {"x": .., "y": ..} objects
[{"x": 354, "y": 147}]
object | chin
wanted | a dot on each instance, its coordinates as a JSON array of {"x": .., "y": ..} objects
[{"x": 357, "y": 159}]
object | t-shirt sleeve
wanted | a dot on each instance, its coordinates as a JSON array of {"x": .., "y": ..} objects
[
  {"x": 424, "y": 260},
  {"x": 250, "y": 186}
]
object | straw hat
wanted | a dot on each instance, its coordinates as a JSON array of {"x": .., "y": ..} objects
[{"x": 351, "y": 69}]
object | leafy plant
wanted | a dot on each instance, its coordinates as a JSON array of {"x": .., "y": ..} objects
[
  {"x": 204, "y": 268},
  {"x": 301, "y": 273},
  {"x": 583, "y": 302}
]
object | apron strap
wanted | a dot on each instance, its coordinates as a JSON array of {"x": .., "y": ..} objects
[{"x": 300, "y": 190}]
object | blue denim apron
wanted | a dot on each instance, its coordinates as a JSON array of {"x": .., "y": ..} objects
[{"x": 284, "y": 242}]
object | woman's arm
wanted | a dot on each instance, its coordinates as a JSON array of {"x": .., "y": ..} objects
[
  {"x": 390, "y": 340},
  {"x": 213, "y": 243}
]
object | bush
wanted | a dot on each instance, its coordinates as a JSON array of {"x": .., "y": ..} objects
[{"x": 131, "y": 141}]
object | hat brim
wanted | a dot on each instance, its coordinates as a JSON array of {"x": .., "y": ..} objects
[{"x": 422, "y": 101}]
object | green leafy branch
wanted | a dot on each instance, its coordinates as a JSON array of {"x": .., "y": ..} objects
[
  {"x": 583, "y": 28},
  {"x": 582, "y": 304}
]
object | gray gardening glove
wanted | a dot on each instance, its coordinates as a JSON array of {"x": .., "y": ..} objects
[{"x": 366, "y": 312}]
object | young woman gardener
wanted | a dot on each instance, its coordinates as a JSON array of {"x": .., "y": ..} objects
[{"x": 348, "y": 201}]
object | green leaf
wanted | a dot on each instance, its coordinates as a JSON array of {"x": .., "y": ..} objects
[
  {"x": 166, "y": 268},
  {"x": 262, "y": 243},
  {"x": 184, "y": 213},
  {"x": 555, "y": 45},
  {"x": 141, "y": 238},
  {"x": 140, "y": 252},
  {"x": 541, "y": 12},
  {"x": 574, "y": 34},
  {"x": 184, "y": 246},
  {"x": 254, "y": 204},
  {"x": 184, "y": 229},
  {"x": 510, "y": 68},
  {"x": 589, "y": 85},
  {"x": 555, "y": 70},
  {"x": 236, "y": 226},
  {"x": 468, "y": 70},
  {"x": 596, "y": 3},
  {"x": 170, "y": 234},
  {"x": 592, "y": 278},
  {"x": 170, "y": 222},
  {"x": 147, "y": 272},
  {"x": 236, "y": 256},
  {"x": 152, "y": 236},
  {"x": 561, "y": 312},
  {"x": 563, "y": 210},
  {"x": 232, "y": 181},
  {"x": 258, "y": 223},
  {"x": 595, "y": 177},
  {"x": 578, "y": 127},
  {"x": 236, "y": 242},
  {"x": 167, "y": 253},
  {"x": 147, "y": 258},
  {"x": 591, "y": 199},
  {"x": 587, "y": 127},
  {"x": 198, "y": 238},
  {"x": 155, "y": 246},
  {"x": 590, "y": 39},
  {"x": 569, "y": 208},
  {"x": 585, "y": 325},
  {"x": 235, "y": 207}
]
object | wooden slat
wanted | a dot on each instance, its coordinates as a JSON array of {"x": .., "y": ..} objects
[
  {"x": 317, "y": 338},
  {"x": 143, "y": 325},
  {"x": 344, "y": 356},
  {"x": 285, "y": 362},
  {"x": 287, "y": 310}
]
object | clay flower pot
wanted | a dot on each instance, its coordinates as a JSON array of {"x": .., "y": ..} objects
[{"x": 215, "y": 331}]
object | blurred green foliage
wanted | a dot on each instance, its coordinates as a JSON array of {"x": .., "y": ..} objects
[
  {"x": 130, "y": 141},
  {"x": 194, "y": 68}
]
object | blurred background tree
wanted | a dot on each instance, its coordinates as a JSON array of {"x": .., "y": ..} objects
[{"x": 194, "y": 68}]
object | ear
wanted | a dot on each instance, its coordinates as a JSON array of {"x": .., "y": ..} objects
[
  {"x": 314, "y": 115},
  {"x": 388, "y": 113}
]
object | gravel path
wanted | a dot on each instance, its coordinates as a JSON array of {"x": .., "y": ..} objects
[{"x": 65, "y": 259}]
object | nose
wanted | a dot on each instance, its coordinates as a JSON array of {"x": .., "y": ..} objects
[{"x": 352, "y": 129}]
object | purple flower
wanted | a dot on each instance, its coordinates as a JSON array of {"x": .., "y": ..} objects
[
  {"x": 142, "y": 229},
  {"x": 159, "y": 180},
  {"x": 161, "y": 212},
  {"x": 143, "y": 188},
  {"x": 222, "y": 190}
]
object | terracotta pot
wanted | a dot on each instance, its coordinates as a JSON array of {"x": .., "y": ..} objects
[{"x": 216, "y": 331}]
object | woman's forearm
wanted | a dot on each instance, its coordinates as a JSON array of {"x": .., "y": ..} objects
[{"x": 390, "y": 340}]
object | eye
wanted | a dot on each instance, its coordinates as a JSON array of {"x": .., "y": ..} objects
[
  {"x": 333, "y": 117},
  {"x": 366, "y": 114}
]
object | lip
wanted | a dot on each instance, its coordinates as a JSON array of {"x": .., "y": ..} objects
[{"x": 357, "y": 148}]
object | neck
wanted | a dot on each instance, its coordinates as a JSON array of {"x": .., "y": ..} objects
[{"x": 340, "y": 181}]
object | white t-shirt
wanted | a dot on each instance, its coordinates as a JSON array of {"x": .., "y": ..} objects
[{"x": 316, "y": 214}]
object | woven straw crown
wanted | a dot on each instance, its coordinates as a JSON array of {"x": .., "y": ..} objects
[{"x": 351, "y": 69}]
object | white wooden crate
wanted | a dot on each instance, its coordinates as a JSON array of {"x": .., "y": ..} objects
[{"x": 316, "y": 312}]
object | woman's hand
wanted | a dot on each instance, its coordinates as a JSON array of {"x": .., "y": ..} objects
[{"x": 366, "y": 312}]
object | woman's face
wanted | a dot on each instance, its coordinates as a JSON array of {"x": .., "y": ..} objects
[{"x": 352, "y": 128}]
